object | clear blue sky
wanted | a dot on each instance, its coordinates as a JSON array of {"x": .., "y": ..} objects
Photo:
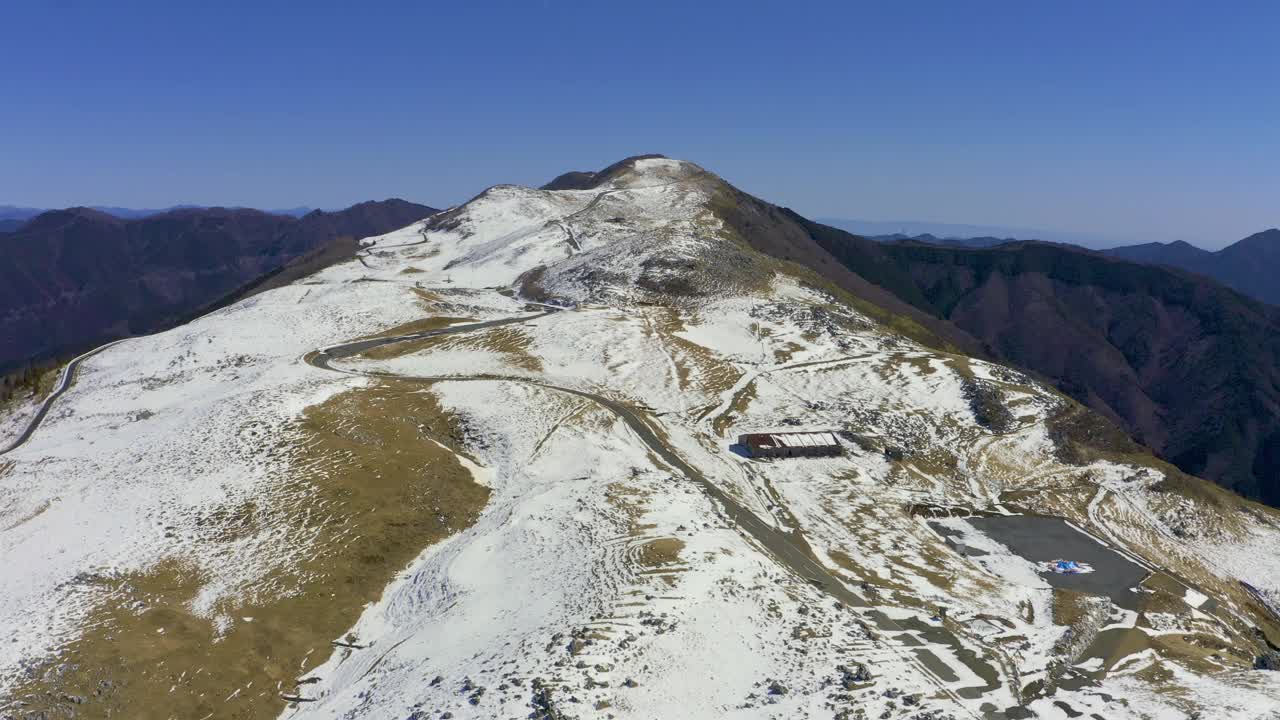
[{"x": 1140, "y": 120}]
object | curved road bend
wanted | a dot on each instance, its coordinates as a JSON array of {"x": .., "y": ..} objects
[
  {"x": 64, "y": 384},
  {"x": 69, "y": 372},
  {"x": 68, "y": 376},
  {"x": 790, "y": 549}
]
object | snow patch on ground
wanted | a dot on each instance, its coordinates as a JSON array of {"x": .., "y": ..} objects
[{"x": 593, "y": 564}]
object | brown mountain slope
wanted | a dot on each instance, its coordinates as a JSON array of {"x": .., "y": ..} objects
[
  {"x": 1189, "y": 367},
  {"x": 71, "y": 279}
]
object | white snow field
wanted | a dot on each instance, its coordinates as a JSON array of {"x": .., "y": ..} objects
[{"x": 599, "y": 580}]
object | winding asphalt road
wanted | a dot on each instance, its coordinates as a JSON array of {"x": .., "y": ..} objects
[
  {"x": 789, "y": 548},
  {"x": 64, "y": 384},
  {"x": 69, "y": 372}
]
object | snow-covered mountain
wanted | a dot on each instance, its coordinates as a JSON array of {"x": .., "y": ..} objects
[{"x": 489, "y": 469}]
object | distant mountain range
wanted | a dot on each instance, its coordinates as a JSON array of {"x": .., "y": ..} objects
[
  {"x": 13, "y": 217},
  {"x": 13, "y": 212},
  {"x": 75, "y": 278},
  {"x": 915, "y": 228},
  {"x": 1251, "y": 266},
  {"x": 930, "y": 239}
]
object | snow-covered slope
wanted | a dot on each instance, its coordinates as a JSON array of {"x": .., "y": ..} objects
[{"x": 215, "y": 492}]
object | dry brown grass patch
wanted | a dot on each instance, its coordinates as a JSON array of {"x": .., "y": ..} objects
[
  {"x": 373, "y": 490},
  {"x": 512, "y": 344},
  {"x": 847, "y": 563},
  {"x": 414, "y": 326},
  {"x": 786, "y": 352},
  {"x": 737, "y": 408},
  {"x": 428, "y": 297},
  {"x": 660, "y": 552},
  {"x": 696, "y": 365},
  {"x": 1069, "y": 606}
]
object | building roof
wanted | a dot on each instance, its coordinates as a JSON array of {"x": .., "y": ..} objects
[{"x": 822, "y": 438}]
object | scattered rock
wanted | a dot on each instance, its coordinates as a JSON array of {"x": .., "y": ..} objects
[
  {"x": 851, "y": 677},
  {"x": 579, "y": 642},
  {"x": 1270, "y": 660},
  {"x": 544, "y": 707},
  {"x": 933, "y": 715},
  {"x": 660, "y": 623},
  {"x": 802, "y": 632}
]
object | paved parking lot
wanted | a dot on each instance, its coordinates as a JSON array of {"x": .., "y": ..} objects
[{"x": 1041, "y": 539}]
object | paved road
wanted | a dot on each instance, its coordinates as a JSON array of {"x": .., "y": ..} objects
[
  {"x": 69, "y": 372},
  {"x": 322, "y": 358},
  {"x": 64, "y": 383},
  {"x": 789, "y": 548}
]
